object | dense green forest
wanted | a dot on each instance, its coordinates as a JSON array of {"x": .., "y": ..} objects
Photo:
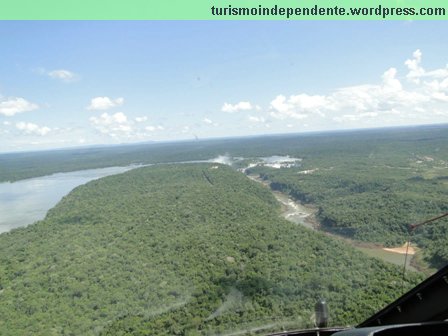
[
  {"x": 390, "y": 146},
  {"x": 192, "y": 249},
  {"x": 17, "y": 166},
  {"x": 371, "y": 188}
]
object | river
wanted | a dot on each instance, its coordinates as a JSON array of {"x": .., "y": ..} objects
[
  {"x": 304, "y": 215},
  {"x": 26, "y": 201}
]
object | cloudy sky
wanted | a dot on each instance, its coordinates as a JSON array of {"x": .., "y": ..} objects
[{"x": 65, "y": 84}]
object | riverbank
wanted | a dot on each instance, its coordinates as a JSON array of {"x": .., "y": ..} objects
[
  {"x": 26, "y": 201},
  {"x": 304, "y": 214}
]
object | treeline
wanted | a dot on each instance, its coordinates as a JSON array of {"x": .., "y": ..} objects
[
  {"x": 314, "y": 147},
  {"x": 373, "y": 188},
  {"x": 180, "y": 250}
]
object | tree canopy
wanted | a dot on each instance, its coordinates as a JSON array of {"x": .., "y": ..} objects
[{"x": 190, "y": 249}]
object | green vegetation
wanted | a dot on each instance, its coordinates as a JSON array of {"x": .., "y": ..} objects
[
  {"x": 383, "y": 147},
  {"x": 193, "y": 249},
  {"x": 370, "y": 186},
  {"x": 18, "y": 166}
]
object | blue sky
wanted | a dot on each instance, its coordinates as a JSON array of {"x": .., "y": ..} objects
[{"x": 79, "y": 83}]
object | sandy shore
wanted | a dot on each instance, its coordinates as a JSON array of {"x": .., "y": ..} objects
[{"x": 401, "y": 250}]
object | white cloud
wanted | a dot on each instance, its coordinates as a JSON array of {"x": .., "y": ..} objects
[
  {"x": 390, "y": 82},
  {"x": 208, "y": 121},
  {"x": 30, "y": 128},
  {"x": 154, "y": 128},
  {"x": 390, "y": 102},
  {"x": 108, "y": 119},
  {"x": 280, "y": 104},
  {"x": 256, "y": 119},
  {"x": 141, "y": 119},
  {"x": 415, "y": 70},
  {"x": 440, "y": 96},
  {"x": 298, "y": 106},
  {"x": 15, "y": 105},
  {"x": 112, "y": 124},
  {"x": 104, "y": 103},
  {"x": 59, "y": 74},
  {"x": 63, "y": 75},
  {"x": 241, "y": 106}
]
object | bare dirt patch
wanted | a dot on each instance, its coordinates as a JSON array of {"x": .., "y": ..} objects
[{"x": 402, "y": 250}]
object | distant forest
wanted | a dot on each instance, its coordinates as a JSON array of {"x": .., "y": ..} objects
[{"x": 392, "y": 145}]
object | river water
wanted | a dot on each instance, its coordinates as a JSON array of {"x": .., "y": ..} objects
[
  {"x": 304, "y": 215},
  {"x": 26, "y": 201}
]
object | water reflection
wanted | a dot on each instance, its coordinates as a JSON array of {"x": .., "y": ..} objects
[{"x": 26, "y": 201}]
